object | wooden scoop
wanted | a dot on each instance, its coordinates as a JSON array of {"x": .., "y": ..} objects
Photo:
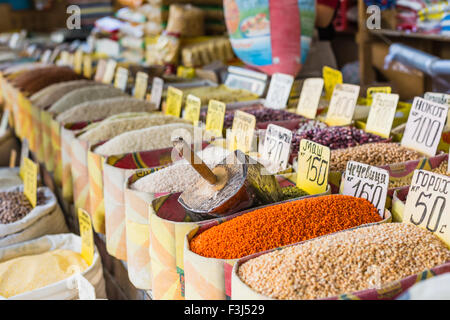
[{"x": 218, "y": 177}]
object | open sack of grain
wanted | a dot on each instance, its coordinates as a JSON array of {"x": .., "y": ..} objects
[
  {"x": 19, "y": 221},
  {"x": 9, "y": 177},
  {"x": 213, "y": 246},
  {"x": 400, "y": 255},
  {"x": 44, "y": 269}
]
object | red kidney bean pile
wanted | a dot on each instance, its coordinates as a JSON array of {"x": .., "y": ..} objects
[{"x": 335, "y": 137}]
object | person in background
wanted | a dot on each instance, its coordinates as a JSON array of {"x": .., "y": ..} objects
[{"x": 325, "y": 13}]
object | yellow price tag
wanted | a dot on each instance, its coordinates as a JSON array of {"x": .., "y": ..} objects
[
  {"x": 313, "y": 165},
  {"x": 243, "y": 129},
  {"x": 140, "y": 85},
  {"x": 372, "y": 90},
  {"x": 215, "y": 117},
  {"x": 192, "y": 109},
  {"x": 78, "y": 61},
  {"x": 185, "y": 72},
  {"x": 428, "y": 202},
  {"x": 87, "y": 66},
  {"x": 87, "y": 236},
  {"x": 331, "y": 78},
  {"x": 30, "y": 171},
  {"x": 64, "y": 58},
  {"x": 174, "y": 101}
]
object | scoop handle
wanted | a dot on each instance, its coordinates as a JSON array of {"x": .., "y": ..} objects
[{"x": 196, "y": 162}]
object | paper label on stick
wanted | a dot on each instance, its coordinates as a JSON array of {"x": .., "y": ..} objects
[
  {"x": 30, "y": 171},
  {"x": 87, "y": 236},
  {"x": 331, "y": 78},
  {"x": 78, "y": 61},
  {"x": 140, "y": 85},
  {"x": 192, "y": 109},
  {"x": 367, "y": 182},
  {"x": 243, "y": 130},
  {"x": 342, "y": 105},
  {"x": 425, "y": 125},
  {"x": 109, "y": 71},
  {"x": 4, "y": 122},
  {"x": 174, "y": 101},
  {"x": 101, "y": 68},
  {"x": 382, "y": 113},
  {"x": 24, "y": 151},
  {"x": 279, "y": 90},
  {"x": 310, "y": 97},
  {"x": 87, "y": 66},
  {"x": 277, "y": 146},
  {"x": 157, "y": 89},
  {"x": 428, "y": 203},
  {"x": 121, "y": 78},
  {"x": 215, "y": 117},
  {"x": 313, "y": 165}
]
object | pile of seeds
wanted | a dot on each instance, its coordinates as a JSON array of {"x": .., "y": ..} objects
[
  {"x": 292, "y": 192},
  {"x": 346, "y": 262},
  {"x": 335, "y": 137},
  {"x": 14, "y": 205},
  {"x": 376, "y": 154},
  {"x": 406, "y": 181},
  {"x": 282, "y": 224}
]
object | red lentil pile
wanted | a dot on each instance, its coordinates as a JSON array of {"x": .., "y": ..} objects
[{"x": 283, "y": 224}]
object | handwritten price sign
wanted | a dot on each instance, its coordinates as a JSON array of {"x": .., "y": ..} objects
[{"x": 313, "y": 166}]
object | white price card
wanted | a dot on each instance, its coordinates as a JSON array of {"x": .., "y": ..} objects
[
  {"x": 441, "y": 98},
  {"x": 279, "y": 90},
  {"x": 121, "y": 78},
  {"x": 101, "y": 68},
  {"x": 109, "y": 71},
  {"x": 368, "y": 182},
  {"x": 243, "y": 130},
  {"x": 140, "y": 85},
  {"x": 45, "y": 58},
  {"x": 382, "y": 113},
  {"x": 425, "y": 125},
  {"x": 342, "y": 104},
  {"x": 277, "y": 146},
  {"x": 310, "y": 97},
  {"x": 157, "y": 89},
  {"x": 4, "y": 122},
  {"x": 428, "y": 203}
]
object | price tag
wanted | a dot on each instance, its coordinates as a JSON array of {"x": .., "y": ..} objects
[
  {"x": 78, "y": 61},
  {"x": 23, "y": 154},
  {"x": 367, "y": 182},
  {"x": 64, "y": 59},
  {"x": 45, "y": 58},
  {"x": 441, "y": 98},
  {"x": 87, "y": 66},
  {"x": 14, "y": 40},
  {"x": 331, "y": 78},
  {"x": 12, "y": 158},
  {"x": 310, "y": 97},
  {"x": 243, "y": 130},
  {"x": 192, "y": 109},
  {"x": 140, "y": 85},
  {"x": 87, "y": 236},
  {"x": 425, "y": 125},
  {"x": 86, "y": 290},
  {"x": 215, "y": 117},
  {"x": 312, "y": 167},
  {"x": 279, "y": 90},
  {"x": 342, "y": 105},
  {"x": 382, "y": 113},
  {"x": 156, "y": 93},
  {"x": 428, "y": 204},
  {"x": 277, "y": 146},
  {"x": 4, "y": 122},
  {"x": 174, "y": 101},
  {"x": 372, "y": 90},
  {"x": 185, "y": 72},
  {"x": 54, "y": 55},
  {"x": 30, "y": 171},
  {"x": 121, "y": 78},
  {"x": 101, "y": 68},
  {"x": 109, "y": 71}
]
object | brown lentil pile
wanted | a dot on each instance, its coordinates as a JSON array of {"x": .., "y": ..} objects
[
  {"x": 14, "y": 205},
  {"x": 406, "y": 181},
  {"x": 345, "y": 262},
  {"x": 375, "y": 154}
]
